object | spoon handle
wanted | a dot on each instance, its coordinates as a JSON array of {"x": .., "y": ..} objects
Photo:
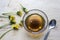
[{"x": 47, "y": 34}]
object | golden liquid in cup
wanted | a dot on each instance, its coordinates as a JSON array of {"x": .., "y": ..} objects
[{"x": 35, "y": 22}]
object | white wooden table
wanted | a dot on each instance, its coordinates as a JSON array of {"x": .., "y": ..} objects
[{"x": 50, "y": 7}]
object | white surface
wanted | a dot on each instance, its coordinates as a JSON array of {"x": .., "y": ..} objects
[{"x": 50, "y": 7}]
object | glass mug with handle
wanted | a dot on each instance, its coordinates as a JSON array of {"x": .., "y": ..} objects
[{"x": 35, "y": 22}]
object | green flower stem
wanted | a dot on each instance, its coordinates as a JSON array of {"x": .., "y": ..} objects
[
  {"x": 3, "y": 17},
  {"x": 19, "y": 13},
  {"x": 23, "y": 8},
  {"x": 5, "y": 34},
  {"x": 4, "y": 25},
  {"x": 11, "y": 22},
  {"x": 7, "y": 14}
]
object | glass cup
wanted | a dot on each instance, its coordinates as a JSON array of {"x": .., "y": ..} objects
[{"x": 35, "y": 32}]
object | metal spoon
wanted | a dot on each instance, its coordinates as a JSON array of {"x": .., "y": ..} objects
[{"x": 52, "y": 25}]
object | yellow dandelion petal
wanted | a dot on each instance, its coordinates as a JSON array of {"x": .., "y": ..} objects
[{"x": 15, "y": 26}]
